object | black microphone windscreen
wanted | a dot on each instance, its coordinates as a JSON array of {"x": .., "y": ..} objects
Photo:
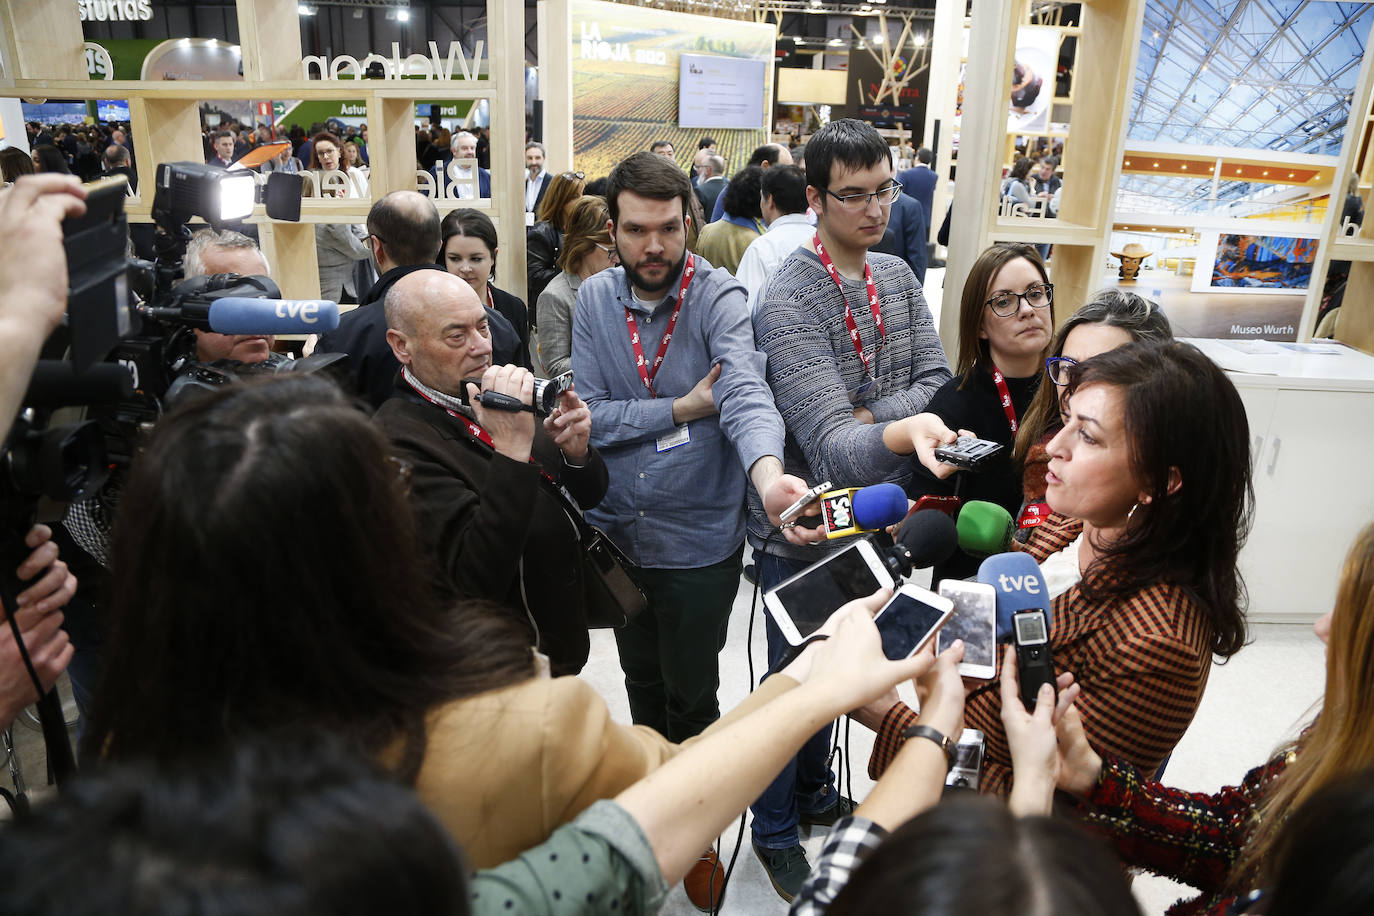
[{"x": 930, "y": 536}]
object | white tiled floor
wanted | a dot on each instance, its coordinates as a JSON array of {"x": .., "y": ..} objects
[{"x": 1252, "y": 703}]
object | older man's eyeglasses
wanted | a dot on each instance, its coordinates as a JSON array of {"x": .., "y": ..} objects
[
  {"x": 884, "y": 196},
  {"x": 1005, "y": 304}
]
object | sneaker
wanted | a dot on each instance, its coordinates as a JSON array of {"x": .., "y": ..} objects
[
  {"x": 787, "y": 869},
  {"x": 705, "y": 882},
  {"x": 751, "y": 574},
  {"x": 843, "y": 807}
]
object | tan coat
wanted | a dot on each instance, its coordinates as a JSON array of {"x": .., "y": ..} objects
[{"x": 504, "y": 769}]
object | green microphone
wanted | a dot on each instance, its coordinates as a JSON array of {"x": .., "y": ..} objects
[{"x": 984, "y": 528}]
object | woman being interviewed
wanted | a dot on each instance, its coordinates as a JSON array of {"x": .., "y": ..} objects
[
  {"x": 1153, "y": 464},
  {"x": 1225, "y": 844},
  {"x": 587, "y": 249}
]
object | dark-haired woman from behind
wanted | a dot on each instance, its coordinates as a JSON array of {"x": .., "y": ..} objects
[
  {"x": 723, "y": 242},
  {"x": 1152, "y": 466}
]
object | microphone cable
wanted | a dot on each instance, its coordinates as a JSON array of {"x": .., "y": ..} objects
[{"x": 749, "y": 656}]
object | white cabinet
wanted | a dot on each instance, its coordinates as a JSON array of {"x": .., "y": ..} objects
[
  {"x": 1314, "y": 491},
  {"x": 1312, "y": 452}
]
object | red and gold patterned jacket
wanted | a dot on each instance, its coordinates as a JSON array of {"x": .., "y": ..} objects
[{"x": 1141, "y": 662}]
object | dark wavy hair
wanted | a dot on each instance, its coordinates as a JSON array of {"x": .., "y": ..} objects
[
  {"x": 1181, "y": 414},
  {"x": 743, "y": 193},
  {"x": 265, "y": 574},
  {"x": 942, "y": 863},
  {"x": 292, "y": 827}
]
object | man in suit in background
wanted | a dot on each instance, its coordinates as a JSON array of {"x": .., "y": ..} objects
[
  {"x": 919, "y": 181},
  {"x": 710, "y": 181},
  {"x": 537, "y": 177}
]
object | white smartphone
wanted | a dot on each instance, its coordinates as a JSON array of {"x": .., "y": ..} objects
[
  {"x": 910, "y": 620},
  {"x": 801, "y": 604},
  {"x": 975, "y": 622}
]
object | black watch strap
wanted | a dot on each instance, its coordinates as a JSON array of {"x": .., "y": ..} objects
[{"x": 925, "y": 731}]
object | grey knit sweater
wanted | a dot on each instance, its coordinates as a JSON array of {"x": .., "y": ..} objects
[{"x": 816, "y": 375}]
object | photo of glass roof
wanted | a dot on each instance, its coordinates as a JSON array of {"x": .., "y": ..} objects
[{"x": 1258, "y": 74}]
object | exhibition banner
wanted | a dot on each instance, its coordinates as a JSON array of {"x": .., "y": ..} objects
[{"x": 625, "y": 63}]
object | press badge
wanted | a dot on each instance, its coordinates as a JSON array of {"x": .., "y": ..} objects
[
  {"x": 679, "y": 436},
  {"x": 858, "y": 393}
]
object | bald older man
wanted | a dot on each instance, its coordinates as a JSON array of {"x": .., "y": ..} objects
[{"x": 483, "y": 481}]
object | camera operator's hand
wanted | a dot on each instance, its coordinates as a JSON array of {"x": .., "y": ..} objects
[
  {"x": 512, "y": 432},
  {"x": 33, "y": 273},
  {"x": 570, "y": 427},
  {"x": 33, "y": 276},
  {"x": 40, "y": 624}
]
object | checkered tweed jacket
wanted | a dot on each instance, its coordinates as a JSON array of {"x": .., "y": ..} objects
[{"x": 1142, "y": 664}]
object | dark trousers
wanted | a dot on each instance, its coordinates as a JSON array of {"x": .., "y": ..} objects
[
  {"x": 807, "y": 782},
  {"x": 669, "y": 652}
]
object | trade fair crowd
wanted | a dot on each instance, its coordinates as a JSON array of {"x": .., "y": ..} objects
[{"x": 326, "y": 631}]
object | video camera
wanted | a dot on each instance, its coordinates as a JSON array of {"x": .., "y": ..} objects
[{"x": 126, "y": 358}]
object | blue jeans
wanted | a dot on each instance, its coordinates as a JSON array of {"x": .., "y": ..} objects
[{"x": 806, "y": 783}]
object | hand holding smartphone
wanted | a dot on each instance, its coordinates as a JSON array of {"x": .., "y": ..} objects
[
  {"x": 910, "y": 620},
  {"x": 975, "y": 622}
]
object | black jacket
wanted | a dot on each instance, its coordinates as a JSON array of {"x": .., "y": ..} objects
[
  {"x": 362, "y": 335},
  {"x": 493, "y": 525},
  {"x": 543, "y": 243}
]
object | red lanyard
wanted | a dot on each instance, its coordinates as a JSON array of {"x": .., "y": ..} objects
[
  {"x": 849, "y": 315},
  {"x": 647, "y": 374},
  {"x": 1004, "y": 393}
]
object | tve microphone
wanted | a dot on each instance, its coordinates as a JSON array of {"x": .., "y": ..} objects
[
  {"x": 235, "y": 315},
  {"x": 1020, "y": 586},
  {"x": 984, "y": 528},
  {"x": 860, "y": 509}
]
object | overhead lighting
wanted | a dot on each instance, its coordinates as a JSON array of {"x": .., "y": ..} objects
[
  {"x": 1128, "y": 162},
  {"x": 919, "y": 40},
  {"x": 1184, "y": 166},
  {"x": 1290, "y": 174},
  {"x": 836, "y": 41},
  {"x": 305, "y": 10},
  {"x": 403, "y": 15},
  {"x": 880, "y": 39},
  {"x": 1156, "y": 165},
  {"x": 1266, "y": 171}
]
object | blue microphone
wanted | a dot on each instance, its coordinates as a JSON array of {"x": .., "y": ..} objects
[
  {"x": 239, "y": 315},
  {"x": 857, "y": 510},
  {"x": 1020, "y": 586}
]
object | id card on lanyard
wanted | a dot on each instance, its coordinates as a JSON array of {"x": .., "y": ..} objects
[{"x": 874, "y": 306}]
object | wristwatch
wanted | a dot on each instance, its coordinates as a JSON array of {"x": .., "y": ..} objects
[{"x": 925, "y": 731}]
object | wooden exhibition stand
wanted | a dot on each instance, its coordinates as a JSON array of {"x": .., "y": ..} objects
[
  {"x": 1105, "y": 65},
  {"x": 43, "y": 49}
]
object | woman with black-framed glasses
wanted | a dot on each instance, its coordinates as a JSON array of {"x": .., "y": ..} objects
[{"x": 1004, "y": 333}]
